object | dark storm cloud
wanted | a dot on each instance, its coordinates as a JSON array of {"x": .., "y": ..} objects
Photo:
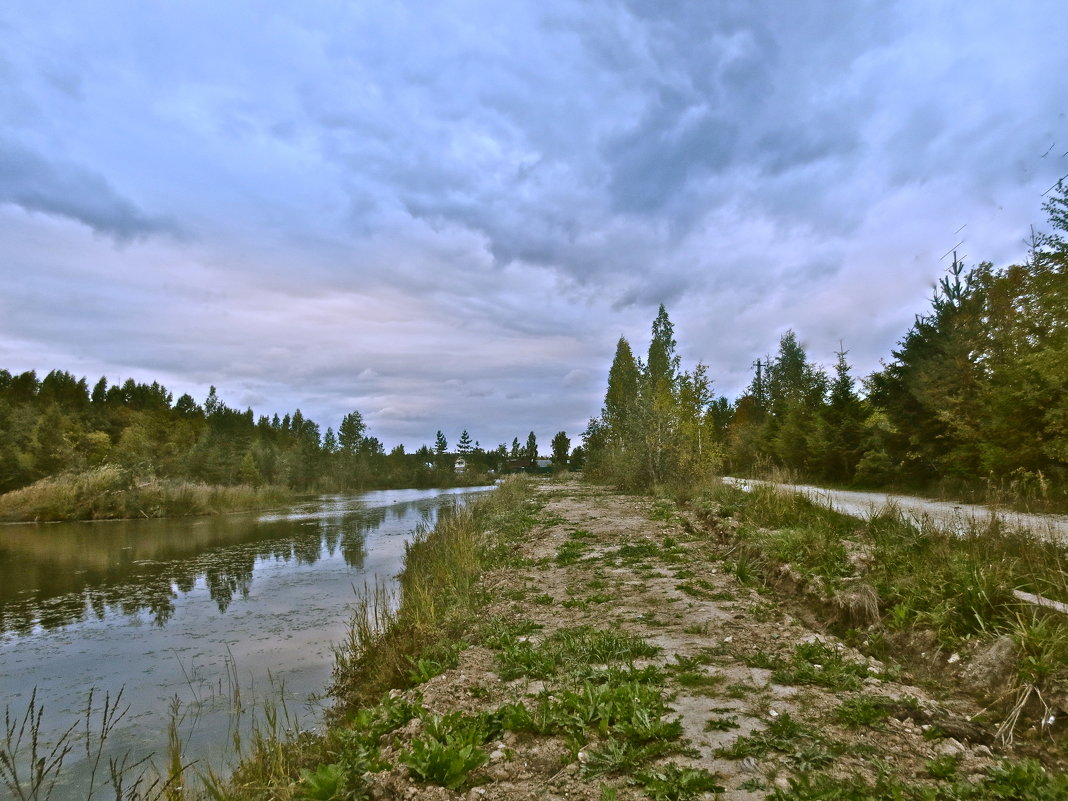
[
  {"x": 444, "y": 215},
  {"x": 36, "y": 184}
]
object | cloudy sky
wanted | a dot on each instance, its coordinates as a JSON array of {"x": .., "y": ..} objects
[{"x": 444, "y": 214}]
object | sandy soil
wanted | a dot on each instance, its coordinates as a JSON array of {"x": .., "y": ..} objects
[{"x": 696, "y": 613}]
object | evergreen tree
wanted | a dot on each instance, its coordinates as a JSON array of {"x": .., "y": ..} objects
[
  {"x": 463, "y": 446},
  {"x": 621, "y": 398},
  {"x": 441, "y": 445},
  {"x": 350, "y": 433}
]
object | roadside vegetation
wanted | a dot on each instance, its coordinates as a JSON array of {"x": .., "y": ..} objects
[
  {"x": 972, "y": 404},
  {"x": 946, "y": 600}
]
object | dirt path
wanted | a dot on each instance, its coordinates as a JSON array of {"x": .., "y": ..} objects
[
  {"x": 956, "y": 516},
  {"x": 760, "y": 697}
]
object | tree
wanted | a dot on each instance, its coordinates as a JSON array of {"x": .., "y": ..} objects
[
  {"x": 516, "y": 451},
  {"x": 842, "y": 421},
  {"x": 663, "y": 363},
  {"x": 350, "y": 433},
  {"x": 622, "y": 396},
  {"x": 561, "y": 447},
  {"x": 531, "y": 451},
  {"x": 463, "y": 446},
  {"x": 440, "y": 443}
]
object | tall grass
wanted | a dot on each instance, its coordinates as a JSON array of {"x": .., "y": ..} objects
[
  {"x": 111, "y": 492},
  {"x": 957, "y": 584},
  {"x": 394, "y": 638},
  {"x": 439, "y": 596}
]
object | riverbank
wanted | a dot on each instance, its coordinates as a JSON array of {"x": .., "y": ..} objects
[
  {"x": 113, "y": 493},
  {"x": 570, "y": 642}
]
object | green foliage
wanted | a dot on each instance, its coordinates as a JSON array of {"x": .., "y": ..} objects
[
  {"x": 863, "y": 710},
  {"x": 821, "y": 665},
  {"x": 449, "y": 749},
  {"x": 783, "y": 734},
  {"x": 656, "y": 426},
  {"x": 674, "y": 783},
  {"x": 568, "y": 649},
  {"x": 324, "y": 783},
  {"x": 1026, "y": 780}
]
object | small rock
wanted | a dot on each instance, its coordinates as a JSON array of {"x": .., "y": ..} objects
[
  {"x": 949, "y": 747},
  {"x": 953, "y": 659}
]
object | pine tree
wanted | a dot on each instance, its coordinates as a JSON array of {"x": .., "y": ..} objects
[
  {"x": 463, "y": 446},
  {"x": 440, "y": 443}
]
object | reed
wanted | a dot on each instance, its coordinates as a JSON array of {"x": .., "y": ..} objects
[{"x": 110, "y": 492}]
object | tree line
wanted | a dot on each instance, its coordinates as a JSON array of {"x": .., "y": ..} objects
[
  {"x": 59, "y": 424},
  {"x": 975, "y": 395}
]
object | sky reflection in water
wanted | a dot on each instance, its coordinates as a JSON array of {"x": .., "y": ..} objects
[{"x": 181, "y": 609}]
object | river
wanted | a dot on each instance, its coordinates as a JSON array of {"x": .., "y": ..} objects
[{"x": 208, "y": 616}]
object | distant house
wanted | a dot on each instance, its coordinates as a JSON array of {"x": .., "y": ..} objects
[{"x": 460, "y": 465}]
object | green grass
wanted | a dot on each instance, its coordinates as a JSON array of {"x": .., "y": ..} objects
[
  {"x": 819, "y": 664},
  {"x": 1025, "y": 780},
  {"x": 567, "y": 649},
  {"x": 957, "y": 584}
]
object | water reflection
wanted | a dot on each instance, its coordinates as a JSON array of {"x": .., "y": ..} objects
[{"x": 60, "y": 574}]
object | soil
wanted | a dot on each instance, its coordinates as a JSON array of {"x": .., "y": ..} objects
[{"x": 697, "y": 613}]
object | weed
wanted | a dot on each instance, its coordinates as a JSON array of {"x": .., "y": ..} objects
[
  {"x": 437, "y": 659},
  {"x": 943, "y": 767},
  {"x": 450, "y": 748},
  {"x": 864, "y": 710},
  {"x": 674, "y": 783},
  {"x": 568, "y": 648},
  {"x": 783, "y": 734},
  {"x": 821, "y": 665},
  {"x": 570, "y": 552},
  {"x": 700, "y": 683}
]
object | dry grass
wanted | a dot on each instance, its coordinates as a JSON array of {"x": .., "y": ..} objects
[{"x": 110, "y": 492}]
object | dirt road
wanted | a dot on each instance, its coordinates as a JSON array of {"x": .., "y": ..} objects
[
  {"x": 762, "y": 700},
  {"x": 955, "y": 516}
]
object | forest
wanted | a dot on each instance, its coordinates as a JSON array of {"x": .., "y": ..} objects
[
  {"x": 972, "y": 403},
  {"x": 58, "y": 425}
]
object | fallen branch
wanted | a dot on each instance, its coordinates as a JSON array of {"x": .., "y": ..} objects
[{"x": 1038, "y": 600}]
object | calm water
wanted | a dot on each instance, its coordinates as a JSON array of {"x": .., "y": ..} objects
[{"x": 203, "y": 612}]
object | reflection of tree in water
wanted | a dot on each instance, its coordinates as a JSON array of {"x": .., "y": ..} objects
[{"x": 133, "y": 584}]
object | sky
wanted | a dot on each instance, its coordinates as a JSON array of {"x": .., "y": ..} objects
[{"x": 445, "y": 214}]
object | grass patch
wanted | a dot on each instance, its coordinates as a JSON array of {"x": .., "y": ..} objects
[
  {"x": 819, "y": 664},
  {"x": 111, "y": 492},
  {"x": 567, "y": 649},
  {"x": 1025, "y": 780},
  {"x": 958, "y": 584}
]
